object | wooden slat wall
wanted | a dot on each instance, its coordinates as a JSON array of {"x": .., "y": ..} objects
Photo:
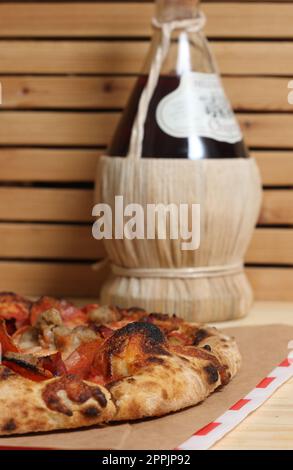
[{"x": 66, "y": 70}]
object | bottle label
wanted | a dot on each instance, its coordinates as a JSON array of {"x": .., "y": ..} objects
[{"x": 198, "y": 107}]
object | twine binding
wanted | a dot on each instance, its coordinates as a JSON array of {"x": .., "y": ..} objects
[
  {"x": 193, "y": 25},
  {"x": 178, "y": 273}
]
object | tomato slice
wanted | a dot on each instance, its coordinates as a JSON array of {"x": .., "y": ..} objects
[
  {"x": 54, "y": 364},
  {"x": 80, "y": 361},
  {"x": 7, "y": 344}
]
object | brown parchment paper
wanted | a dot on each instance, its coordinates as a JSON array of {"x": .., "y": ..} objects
[{"x": 262, "y": 349}]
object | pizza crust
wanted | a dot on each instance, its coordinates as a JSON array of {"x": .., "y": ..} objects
[
  {"x": 23, "y": 408},
  {"x": 160, "y": 389},
  {"x": 178, "y": 382}
]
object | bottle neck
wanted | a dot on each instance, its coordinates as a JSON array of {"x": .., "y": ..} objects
[{"x": 173, "y": 10}]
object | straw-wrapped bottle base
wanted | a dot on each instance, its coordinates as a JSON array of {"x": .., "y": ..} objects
[{"x": 203, "y": 300}]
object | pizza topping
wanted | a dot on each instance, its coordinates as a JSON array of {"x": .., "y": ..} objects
[
  {"x": 49, "y": 318},
  {"x": 41, "y": 305},
  {"x": 33, "y": 367},
  {"x": 102, "y": 314},
  {"x": 26, "y": 365},
  {"x": 46, "y": 322},
  {"x": 6, "y": 342},
  {"x": 62, "y": 339},
  {"x": 103, "y": 331},
  {"x": 71, "y": 315},
  {"x": 26, "y": 337},
  {"x": 84, "y": 334},
  {"x": 54, "y": 364},
  {"x": 76, "y": 391},
  {"x": 49, "y": 334},
  {"x": 42, "y": 335},
  {"x": 128, "y": 350},
  {"x": 11, "y": 326},
  {"x": 14, "y": 308},
  {"x": 67, "y": 340},
  {"x": 80, "y": 361}
]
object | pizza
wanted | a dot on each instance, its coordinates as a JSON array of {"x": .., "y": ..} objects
[{"x": 66, "y": 367}]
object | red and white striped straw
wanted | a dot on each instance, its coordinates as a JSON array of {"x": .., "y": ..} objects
[{"x": 207, "y": 436}]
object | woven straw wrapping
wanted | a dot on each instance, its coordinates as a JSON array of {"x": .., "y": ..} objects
[{"x": 229, "y": 193}]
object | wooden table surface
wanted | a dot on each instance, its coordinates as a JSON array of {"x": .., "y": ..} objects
[{"x": 271, "y": 426}]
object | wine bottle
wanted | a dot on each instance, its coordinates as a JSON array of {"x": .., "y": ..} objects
[{"x": 188, "y": 114}]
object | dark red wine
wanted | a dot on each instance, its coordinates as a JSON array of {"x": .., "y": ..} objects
[{"x": 158, "y": 144}]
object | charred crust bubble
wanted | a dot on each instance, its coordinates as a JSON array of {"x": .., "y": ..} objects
[
  {"x": 99, "y": 397},
  {"x": 54, "y": 403},
  {"x": 151, "y": 341},
  {"x": 199, "y": 336},
  {"x": 76, "y": 390},
  {"x": 91, "y": 412},
  {"x": 212, "y": 373},
  {"x": 152, "y": 338},
  {"x": 9, "y": 426},
  {"x": 207, "y": 347}
]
